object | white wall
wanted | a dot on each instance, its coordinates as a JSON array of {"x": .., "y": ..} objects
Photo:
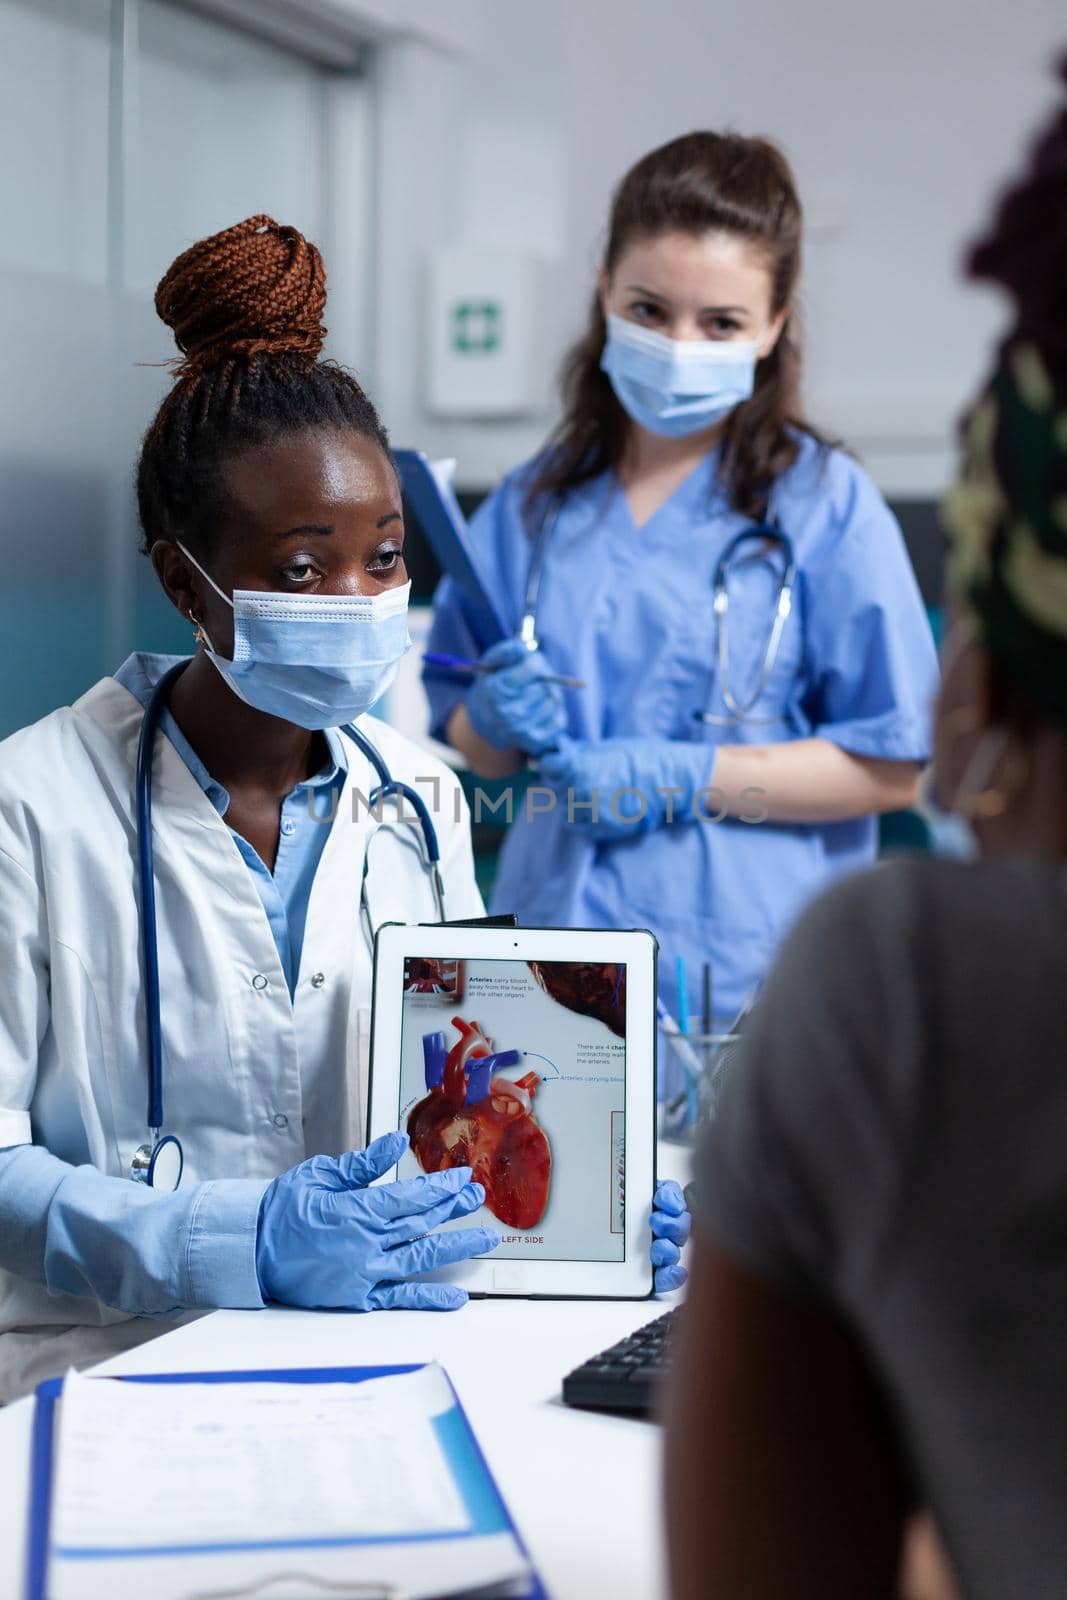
[
  {"x": 901, "y": 119},
  {"x": 473, "y": 149},
  {"x": 220, "y": 125},
  {"x": 449, "y": 24}
]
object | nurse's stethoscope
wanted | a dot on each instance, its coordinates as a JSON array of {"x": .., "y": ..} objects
[
  {"x": 160, "y": 1161},
  {"x": 739, "y": 710},
  {"x": 535, "y": 576}
]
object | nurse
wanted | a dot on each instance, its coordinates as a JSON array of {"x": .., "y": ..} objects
[
  {"x": 272, "y": 517},
  {"x": 731, "y": 592}
]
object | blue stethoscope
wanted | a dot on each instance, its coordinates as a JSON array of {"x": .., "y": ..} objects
[
  {"x": 159, "y": 1162},
  {"x": 739, "y": 710}
]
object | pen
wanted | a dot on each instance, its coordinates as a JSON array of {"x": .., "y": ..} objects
[
  {"x": 688, "y": 1057},
  {"x": 681, "y": 982},
  {"x": 749, "y": 1001},
  {"x": 435, "y": 658},
  {"x": 673, "y": 1031},
  {"x": 682, "y": 985},
  {"x": 707, "y": 1026}
]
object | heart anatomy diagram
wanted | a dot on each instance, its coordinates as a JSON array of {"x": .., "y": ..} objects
[{"x": 473, "y": 1116}]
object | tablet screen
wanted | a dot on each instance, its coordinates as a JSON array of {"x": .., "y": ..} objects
[{"x": 518, "y": 1070}]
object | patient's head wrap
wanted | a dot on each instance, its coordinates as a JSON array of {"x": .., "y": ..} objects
[{"x": 1006, "y": 519}]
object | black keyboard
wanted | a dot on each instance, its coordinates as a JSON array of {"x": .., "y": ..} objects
[{"x": 626, "y": 1376}]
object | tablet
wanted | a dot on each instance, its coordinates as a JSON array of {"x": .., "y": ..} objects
[{"x": 527, "y": 1054}]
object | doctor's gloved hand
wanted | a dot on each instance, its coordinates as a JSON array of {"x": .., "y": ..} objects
[
  {"x": 620, "y": 788},
  {"x": 512, "y": 706},
  {"x": 670, "y": 1229},
  {"x": 326, "y": 1240}
]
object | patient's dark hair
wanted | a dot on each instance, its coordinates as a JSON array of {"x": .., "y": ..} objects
[
  {"x": 700, "y": 183},
  {"x": 1016, "y": 441},
  {"x": 1025, "y": 250},
  {"x": 246, "y": 309}
]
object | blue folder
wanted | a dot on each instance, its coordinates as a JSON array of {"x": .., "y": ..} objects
[
  {"x": 446, "y": 531},
  {"x": 476, "y": 1484}
]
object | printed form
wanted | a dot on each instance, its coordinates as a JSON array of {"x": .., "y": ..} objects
[{"x": 197, "y": 1489}]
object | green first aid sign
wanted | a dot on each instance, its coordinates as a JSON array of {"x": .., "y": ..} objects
[{"x": 476, "y": 327}]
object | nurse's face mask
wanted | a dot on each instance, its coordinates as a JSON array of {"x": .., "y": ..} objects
[
  {"x": 689, "y": 315},
  {"x": 315, "y": 660},
  {"x": 677, "y": 386}
]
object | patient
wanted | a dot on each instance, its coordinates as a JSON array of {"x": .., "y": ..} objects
[{"x": 878, "y": 1314}]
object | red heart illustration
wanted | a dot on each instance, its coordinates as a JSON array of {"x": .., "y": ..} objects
[{"x": 495, "y": 1134}]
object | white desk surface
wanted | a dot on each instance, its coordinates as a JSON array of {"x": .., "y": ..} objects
[{"x": 583, "y": 1489}]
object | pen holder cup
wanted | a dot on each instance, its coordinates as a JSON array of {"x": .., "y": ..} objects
[{"x": 697, "y": 1067}]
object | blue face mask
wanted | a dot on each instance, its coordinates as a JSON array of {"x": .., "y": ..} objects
[
  {"x": 316, "y": 660},
  {"x": 677, "y": 386},
  {"x": 951, "y": 836},
  {"x": 951, "y": 833}
]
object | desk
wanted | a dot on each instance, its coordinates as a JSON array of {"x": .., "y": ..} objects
[{"x": 583, "y": 1489}]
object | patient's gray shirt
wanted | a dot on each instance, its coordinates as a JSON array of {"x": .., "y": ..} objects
[{"x": 893, "y": 1139}]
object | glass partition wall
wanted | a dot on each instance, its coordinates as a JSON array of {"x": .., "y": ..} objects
[{"x": 129, "y": 129}]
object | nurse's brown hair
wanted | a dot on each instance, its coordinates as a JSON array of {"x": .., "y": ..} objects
[{"x": 703, "y": 182}]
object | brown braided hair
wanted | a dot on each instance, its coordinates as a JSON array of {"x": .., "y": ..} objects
[
  {"x": 700, "y": 183},
  {"x": 246, "y": 309}
]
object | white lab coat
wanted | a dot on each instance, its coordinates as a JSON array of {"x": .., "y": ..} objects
[{"x": 254, "y": 1081}]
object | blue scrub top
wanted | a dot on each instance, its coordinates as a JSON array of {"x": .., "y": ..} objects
[{"x": 629, "y": 611}]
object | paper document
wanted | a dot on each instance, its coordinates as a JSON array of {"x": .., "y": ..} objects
[
  {"x": 182, "y": 1490},
  {"x": 143, "y": 1466}
]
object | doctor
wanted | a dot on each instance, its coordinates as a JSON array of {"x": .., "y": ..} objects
[
  {"x": 272, "y": 516},
  {"x": 733, "y": 594}
]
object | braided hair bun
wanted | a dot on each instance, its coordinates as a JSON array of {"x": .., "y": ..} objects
[
  {"x": 256, "y": 288},
  {"x": 246, "y": 309}
]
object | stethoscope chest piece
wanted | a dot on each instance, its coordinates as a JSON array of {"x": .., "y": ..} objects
[{"x": 159, "y": 1165}]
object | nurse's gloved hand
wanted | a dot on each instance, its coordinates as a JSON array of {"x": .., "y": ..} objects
[
  {"x": 670, "y": 1229},
  {"x": 327, "y": 1240},
  {"x": 512, "y": 706},
  {"x": 620, "y": 788}
]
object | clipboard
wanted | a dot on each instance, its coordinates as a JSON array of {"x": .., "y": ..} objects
[
  {"x": 448, "y": 535},
  {"x": 484, "y": 1502}
]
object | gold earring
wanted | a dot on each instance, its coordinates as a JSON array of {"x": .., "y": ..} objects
[{"x": 199, "y": 636}]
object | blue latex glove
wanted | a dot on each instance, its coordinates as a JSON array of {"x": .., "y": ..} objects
[
  {"x": 326, "y": 1240},
  {"x": 670, "y": 1229},
  {"x": 668, "y": 774},
  {"x": 512, "y": 706}
]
